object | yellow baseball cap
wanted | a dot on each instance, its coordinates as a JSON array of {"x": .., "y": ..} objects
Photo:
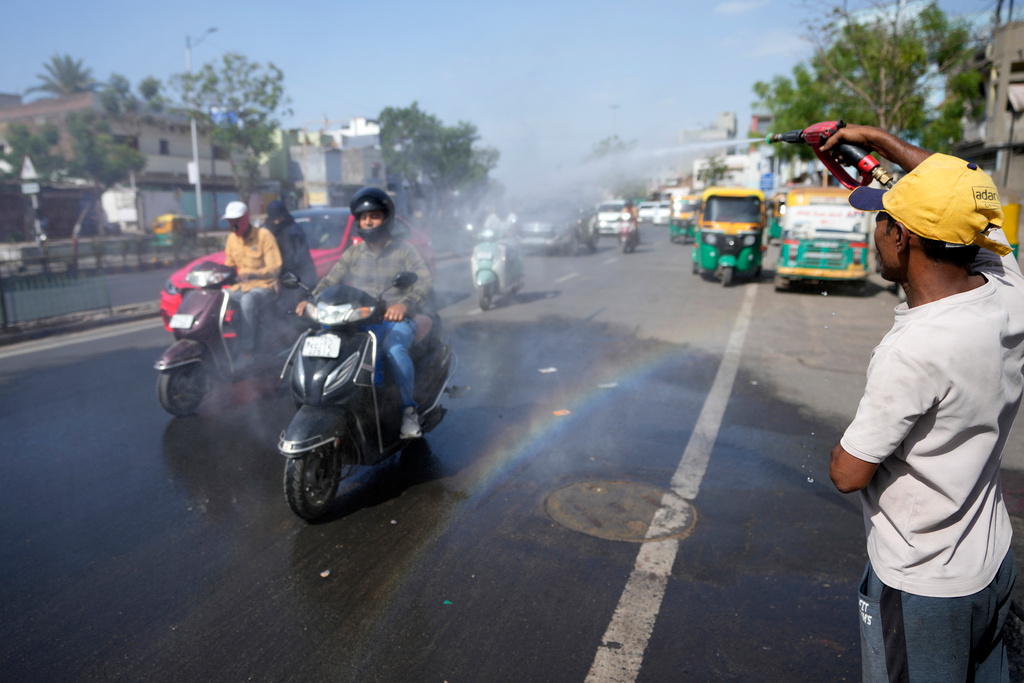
[{"x": 945, "y": 199}]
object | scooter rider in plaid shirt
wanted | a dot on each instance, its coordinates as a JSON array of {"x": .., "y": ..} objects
[{"x": 371, "y": 265}]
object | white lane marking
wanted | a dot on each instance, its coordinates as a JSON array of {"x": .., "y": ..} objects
[
  {"x": 566, "y": 277},
  {"x": 621, "y": 651},
  {"x": 611, "y": 260},
  {"x": 37, "y": 345}
]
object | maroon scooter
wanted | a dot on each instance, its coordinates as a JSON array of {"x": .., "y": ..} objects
[{"x": 206, "y": 351}]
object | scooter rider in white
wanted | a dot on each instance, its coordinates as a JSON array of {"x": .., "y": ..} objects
[{"x": 371, "y": 265}]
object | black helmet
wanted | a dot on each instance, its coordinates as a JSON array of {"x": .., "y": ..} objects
[{"x": 373, "y": 199}]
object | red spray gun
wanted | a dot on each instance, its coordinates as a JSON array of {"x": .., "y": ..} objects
[{"x": 841, "y": 155}]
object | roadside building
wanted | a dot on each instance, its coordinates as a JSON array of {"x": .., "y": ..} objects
[
  {"x": 996, "y": 142},
  {"x": 161, "y": 187},
  {"x": 327, "y": 166}
]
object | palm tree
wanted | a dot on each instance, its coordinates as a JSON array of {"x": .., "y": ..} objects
[{"x": 65, "y": 77}]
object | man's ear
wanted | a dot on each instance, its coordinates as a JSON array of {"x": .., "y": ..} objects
[{"x": 901, "y": 237}]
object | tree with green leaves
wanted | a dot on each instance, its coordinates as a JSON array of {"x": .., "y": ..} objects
[
  {"x": 254, "y": 94},
  {"x": 42, "y": 145},
  {"x": 419, "y": 147},
  {"x": 118, "y": 100},
  {"x": 880, "y": 67},
  {"x": 610, "y": 145},
  {"x": 64, "y": 76},
  {"x": 99, "y": 155},
  {"x": 714, "y": 172}
]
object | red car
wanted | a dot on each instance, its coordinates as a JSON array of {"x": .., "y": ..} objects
[{"x": 329, "y": 232}]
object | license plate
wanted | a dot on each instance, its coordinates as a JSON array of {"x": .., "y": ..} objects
[
  {"x": 324, "y": 346},
  {"x": 182, "y": 321},
  {"x": 485, "y": 255}
]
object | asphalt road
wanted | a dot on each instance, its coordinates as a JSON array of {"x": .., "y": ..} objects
[{"x": 142, "y": 547}]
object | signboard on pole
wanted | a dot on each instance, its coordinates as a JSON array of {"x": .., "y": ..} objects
[
  {"x": 30, "y": 188},
  {"x": 767, "y": 182},
  {"x": 193, "y": 173},
  {"x": 28, "y": 171}
]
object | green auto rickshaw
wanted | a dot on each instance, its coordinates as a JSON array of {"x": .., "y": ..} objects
[
  {"x": 730, "y": 234},
  {"x": 682, "y": 223}
]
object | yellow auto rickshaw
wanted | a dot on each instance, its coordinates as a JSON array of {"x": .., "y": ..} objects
[{"x": 173, "y": 226}]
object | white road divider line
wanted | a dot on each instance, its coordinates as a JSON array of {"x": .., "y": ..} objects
[
  {"x": 611, "y": 260},
  {"x": 622, "y": 648},
  {"x": 566, "y": 277}
]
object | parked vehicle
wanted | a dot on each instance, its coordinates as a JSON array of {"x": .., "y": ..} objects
[
  {"x": 729, "y": 239},
  {"x": 824, "y": 239},
  {"x": 682, "y": 223},
  {"x": 173, "y": 226},
  {"x": 608, "y": 215},
  {"x": 329, "y": 231},
  {"x": 496, "y": 267},
  {"x": 349, "y": 412},
  {"x": 205, "y": 350}
]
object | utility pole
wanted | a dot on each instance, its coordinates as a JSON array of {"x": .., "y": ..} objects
[{"x": 195, "y": 140}]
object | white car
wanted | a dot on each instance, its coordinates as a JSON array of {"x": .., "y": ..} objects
[
  {"x": 645, "y": 211},
  {"x": 609, "y": 214},
  {"x": 662, "y": 212}
]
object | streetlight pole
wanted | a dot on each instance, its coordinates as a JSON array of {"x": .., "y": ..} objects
[{"x": 195, "y": 139}]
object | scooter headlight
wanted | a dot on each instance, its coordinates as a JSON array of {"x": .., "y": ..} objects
[
  {"x": 327, "y": 314},
  {"x": 206, "y": 278}
]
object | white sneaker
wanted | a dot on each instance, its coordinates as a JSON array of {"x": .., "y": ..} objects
[{"x": 410, "y": 424}]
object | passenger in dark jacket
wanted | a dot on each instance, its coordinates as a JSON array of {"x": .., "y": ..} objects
[{"x": 295, "y": 256}]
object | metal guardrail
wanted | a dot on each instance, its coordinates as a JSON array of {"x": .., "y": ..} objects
[
  {"x": 52, "y": 294},
  {"x": 51, "y": 280}
]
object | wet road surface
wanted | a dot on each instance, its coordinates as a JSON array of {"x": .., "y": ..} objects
[{"x": 142, "y": 547}]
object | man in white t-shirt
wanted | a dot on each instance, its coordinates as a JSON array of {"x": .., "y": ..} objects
[{"x": 924, "y": 450}]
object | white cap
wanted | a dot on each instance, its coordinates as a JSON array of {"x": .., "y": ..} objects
[{"x": 235, "y": 210}]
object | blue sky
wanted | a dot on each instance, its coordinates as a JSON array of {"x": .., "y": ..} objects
[{"x": 538, "y": 78}]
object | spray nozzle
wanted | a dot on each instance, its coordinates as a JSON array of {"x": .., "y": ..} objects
[{"x": 842, "y": 155}]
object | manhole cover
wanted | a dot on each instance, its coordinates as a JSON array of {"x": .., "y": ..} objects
[{"x": 621, "y": 511}]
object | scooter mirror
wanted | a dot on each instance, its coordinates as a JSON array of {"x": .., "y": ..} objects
[
  {"x": 290, "y": 281},
  {"x": 405, "y": 279}
]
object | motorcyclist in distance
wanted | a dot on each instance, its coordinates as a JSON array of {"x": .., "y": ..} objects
[{"x": 371, "y": 265}]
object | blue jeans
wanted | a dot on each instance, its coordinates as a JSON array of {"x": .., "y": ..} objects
[
  {"x": 397, "y": 342},
  {"x": 253, "y": 303}
]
